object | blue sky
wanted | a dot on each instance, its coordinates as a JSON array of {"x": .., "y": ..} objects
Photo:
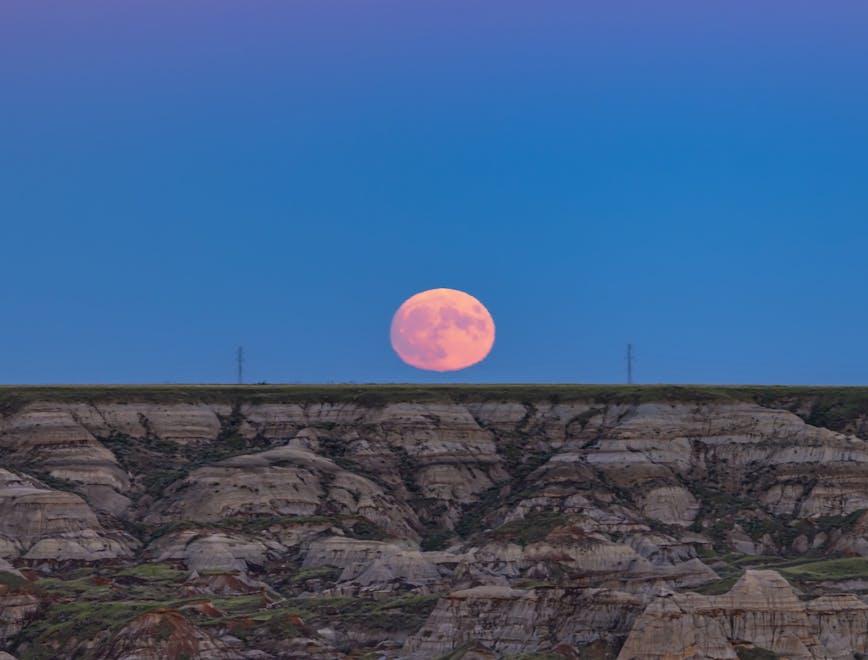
[{"x": 177, "y": 178}]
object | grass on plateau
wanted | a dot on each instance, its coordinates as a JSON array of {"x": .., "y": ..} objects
[
  {"x": 830, "y": 569},
  {"x": 836, "y": 401}
]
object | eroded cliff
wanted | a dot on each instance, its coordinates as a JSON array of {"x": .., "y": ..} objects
[{"x": 421, "y": 523}]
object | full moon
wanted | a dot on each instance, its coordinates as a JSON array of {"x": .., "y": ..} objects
[{"x": 442, "y": 330}]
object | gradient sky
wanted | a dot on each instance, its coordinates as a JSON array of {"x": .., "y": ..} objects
[{"x": 179, "y": 177}]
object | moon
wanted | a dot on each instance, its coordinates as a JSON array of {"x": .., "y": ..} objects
[{"x": 442, "y": 330}]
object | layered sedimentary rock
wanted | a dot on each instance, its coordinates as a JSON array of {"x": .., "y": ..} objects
[
  {"x": 377, "y": 566},
  {"x": 54, "y": 440},
  {"x": 281, "y": 482},
  {"x": 204, "y": 550},
  {"x": 512, "y": 621},
  {"x": 761, "y": 611},
  {"x": 489, "y": 526},
  {"x": 38, "y": 523}
]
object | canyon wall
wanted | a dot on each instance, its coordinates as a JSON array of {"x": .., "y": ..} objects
[{"x": 477, "y": 522}]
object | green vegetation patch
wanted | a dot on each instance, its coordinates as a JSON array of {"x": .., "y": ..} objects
[
  {"x": 830, "y": 569},
  {"x": 755, "y": 653},
  {"x": 719, "y": 587},
  {"x": 157, "y": 461},
  {"x": 838, "y": 408},
  {"x": 63, "y": 625},
  {"x": 325, "y": 573},
  {"x": 437, "y": 539},
  {"x": 153, "y": 572},
  {"x": 474, "y": 515},
  {"x": 530, "y": 529},
  {"x": 246, "y": 614},
  {"x": 391, "y": 615},
  {"x": 80, "y": 588},
  {"x": 91, "y": 603},
  {"x": 243, "y": 604},
  {"x": 13, "y": 581}
]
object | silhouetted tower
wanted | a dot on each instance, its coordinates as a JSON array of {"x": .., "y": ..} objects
[
  {"x": 239, "y": 357},
  {"x": 630, "y": 358}
]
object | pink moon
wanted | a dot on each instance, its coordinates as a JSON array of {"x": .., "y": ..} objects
[{"x": 442, "y": 330}]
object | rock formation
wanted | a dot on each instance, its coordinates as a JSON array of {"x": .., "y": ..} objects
[
  {"x": 478, "y": 522},
  {"x": 761, "y": 611},
  {"x": 166, "y": 634}
]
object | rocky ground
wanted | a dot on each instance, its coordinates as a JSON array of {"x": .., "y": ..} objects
[{"x": 476, "y": 522}]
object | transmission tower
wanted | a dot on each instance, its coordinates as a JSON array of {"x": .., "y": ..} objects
[
  {"x": 239, "y": 357},
  {"x": 630, "y": 358}
]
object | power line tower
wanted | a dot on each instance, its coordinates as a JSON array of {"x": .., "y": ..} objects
[
  {"x": 630, "y": 359},
  {"x": 239, "y": 358}
]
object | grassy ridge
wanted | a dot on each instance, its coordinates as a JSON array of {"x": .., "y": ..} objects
[
  {"x": 832, "y": 407},
  {"x": 414, "y": 392},
  {"x": 830, "y": 569}
]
